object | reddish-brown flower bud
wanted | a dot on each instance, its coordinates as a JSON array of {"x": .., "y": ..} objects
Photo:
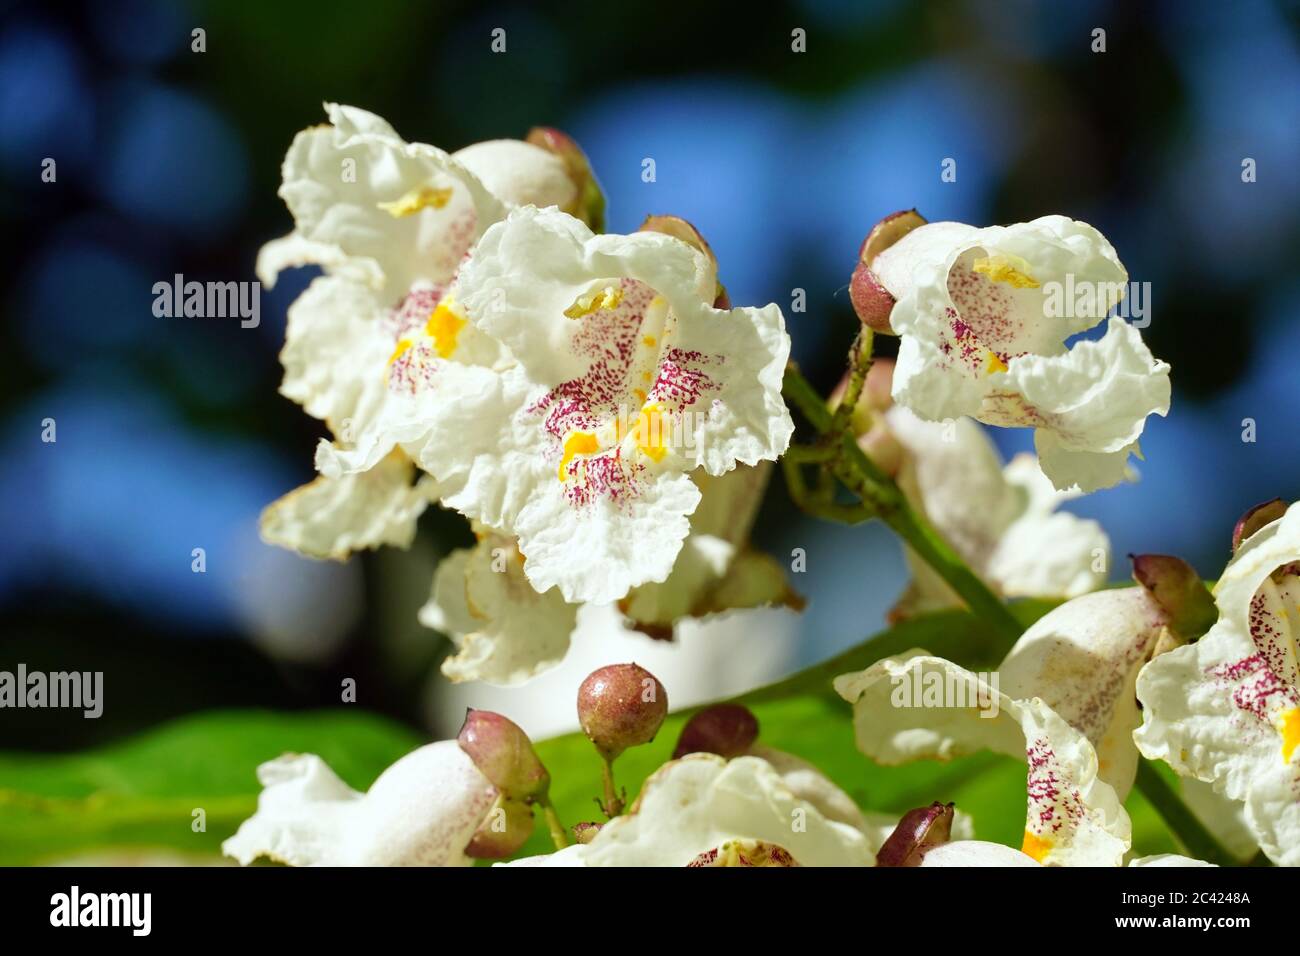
[
  {"x": 871, "y": 300},
  {"x": 727, "y": 730},
  {"x": 504, "y": 754},
  {"x": 1178, "y": 590},
  {"x": 1256, "y": 518},
  {"x": 920, "y": 831},
  {"x": 621, "y": 706}
]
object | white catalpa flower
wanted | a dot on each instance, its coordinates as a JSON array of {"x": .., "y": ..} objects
[
  {"x": 704, "y": 810},
  {"x": 914, "y": 706},
  {"x": 624, "y": 379},
  {"x": 390, "y": 223},
  {"x": 422, "y": 811},
  {"x": 1226, "y": 709},
  {"x": 507, "y": 632},
  {"x": 986, "y": 317},
  {"x": 1002, "y": 520}
]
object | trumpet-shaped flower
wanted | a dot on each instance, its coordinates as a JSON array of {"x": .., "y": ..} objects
[
  {"x": 1074, "y": 818},
  {"x": 624, "y": 379},
  {"x": 985, "y": 317},
  {"x": 1226, "y": 709}
]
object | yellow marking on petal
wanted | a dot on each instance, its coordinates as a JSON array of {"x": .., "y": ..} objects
[
  {"x": 639, "y": 393},
  {"x": 402, "y": 346},
  {"x": 995, "y": 364},
  {"x": 444, "y": 327},
  {"x": 649, "y": 340},
  {"x": 606, "y": 298},
  {"x": 426, "y": 197},
  {"x": 1036, "y": 846},
  {"x": 578, "y": 443},
  {"x": 1289, "y": 726},
  {"x": 1012, "y": 270},
  {"x": 657, "y": 301},
  {"x": 650, "y": 431},
  {"x": 646, "y": 377}
]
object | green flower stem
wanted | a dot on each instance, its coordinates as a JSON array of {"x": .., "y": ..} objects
[
  {"x": 885, "y": 499},
  {"x": 1193, "y": 835},
  {"x": 558, "y": 834},
  {"x": 613, "y": 802}
]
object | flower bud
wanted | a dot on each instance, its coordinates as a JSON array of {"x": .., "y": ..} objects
[
  {"x": 504, "y": 754},
  {"x": 920, "y": 831},
  {"x": 727, "y": 730},
  {"x": 621, "y": 706},
  {"x": 589, "y": 205},
  {"x": 585, "y": 832},
  {"x": 1178, "y": 590},
  {"x": 871, "y": 300},
  {"x": 1256, "y": 518},
  {"x": 503, "y": 831}
]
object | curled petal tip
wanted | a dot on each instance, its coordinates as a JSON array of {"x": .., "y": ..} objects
[
  {"x": 1264, "y": 513},
  {"x": 1178, "y": 590}
]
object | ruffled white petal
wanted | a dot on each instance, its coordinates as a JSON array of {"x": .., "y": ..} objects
[
  {"x": 421, "y": 811},
  {"x": 332, "y": 517},
  {"x": 1073, "y": 818},
  {"x": 505, "y": 631},
  {"x": 1226, "y": 710},
  {"x": 408, "y": 208},
  {"x": 292, "y": 251}
]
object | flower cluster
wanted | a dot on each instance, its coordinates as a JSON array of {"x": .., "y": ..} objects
[
  {"x": 592, "y": 403},
  {"x": 606, "y": 420}
]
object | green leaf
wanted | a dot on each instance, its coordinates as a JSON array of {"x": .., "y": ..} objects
[{"x": 140, "y": 794}]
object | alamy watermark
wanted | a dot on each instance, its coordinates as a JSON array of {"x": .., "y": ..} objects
[
  {"x": 944, "y": 689},
  {"x": 77, "y": 690},
  {"x": 1096, "y": 300},
  {"x": 209, "y": 300}
]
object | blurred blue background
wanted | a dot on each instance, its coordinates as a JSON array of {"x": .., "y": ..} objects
[{"x": 170, "y": 433}]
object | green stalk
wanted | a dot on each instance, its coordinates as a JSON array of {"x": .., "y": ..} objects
[
  {"x": 876, "y": 489},
  {"x": 1191, "y": 833}
]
